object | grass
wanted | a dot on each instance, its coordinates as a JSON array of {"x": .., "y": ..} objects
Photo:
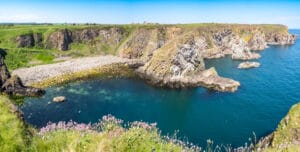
[
  {"x": 13, "y": 134},
  {"x": 120, "y": 139}
]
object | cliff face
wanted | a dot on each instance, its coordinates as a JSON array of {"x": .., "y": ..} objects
[
  {"x": 62, "y": 39},
  {"x": 30, "y": 40},
  {"x": 174, "y": 54}
]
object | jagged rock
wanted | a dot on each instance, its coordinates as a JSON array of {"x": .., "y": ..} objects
[
  {"x": 29, "y": 40},
  {"x": 280, "y": 39},
  {"x": 25, "y": 41},
  {"x": 247, "y": 65},
  {"x": 60, "y": 40},
  {"x": 207, "y": 78},
  {"x": 186, "y": 60},
  {"x": 85, "y": 35},
  {"x": 136, "y": 44},
  {"x": 59, "y": 99},
  {"x": 13, "y": 85},
  {"x": 258, "y": 41},
  {"x": 4, "y": 74}
]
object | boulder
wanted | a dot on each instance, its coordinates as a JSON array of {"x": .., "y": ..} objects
[
  {"x": 247, "y": 65},
  {"x": 59, "y": 99}
]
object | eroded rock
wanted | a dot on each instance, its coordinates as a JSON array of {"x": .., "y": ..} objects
[
  {"x": 29, "y": 40},
  {"x": 60, "y": 40}
]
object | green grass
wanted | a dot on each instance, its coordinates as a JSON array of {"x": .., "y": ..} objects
[
  {"x": 117, "y": 140},
  {"x": 13, "y": 133},
  {"x": 66, "y": 140},
  {"x": 24, "y": 57}
]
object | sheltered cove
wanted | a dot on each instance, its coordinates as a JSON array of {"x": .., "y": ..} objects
[{"x": 164, "y": 56}]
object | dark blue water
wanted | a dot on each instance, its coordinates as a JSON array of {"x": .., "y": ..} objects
[{"x": 265, "y": 96}]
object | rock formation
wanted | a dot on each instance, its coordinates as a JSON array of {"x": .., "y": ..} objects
[
  {"x": 12, "y": 85},
  {"x": 174, "y": 56},
  {"x": 29, "y": 40},
  {"x": 60, "y": 40},
  {"x": 247, "y": 65}
]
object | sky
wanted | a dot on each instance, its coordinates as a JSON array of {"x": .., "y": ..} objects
[{"x": 152, "y": 11}]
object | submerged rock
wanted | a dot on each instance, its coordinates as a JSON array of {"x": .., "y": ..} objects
[
  {"x": 13, "y": 85},
  {"x": 247, "y": 65},
  {"x": 59, "y": 99}
]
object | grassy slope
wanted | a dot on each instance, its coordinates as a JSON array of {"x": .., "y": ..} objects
[
  {"x": 12, "y": 130},
  {"x": 287, "y": 135}
]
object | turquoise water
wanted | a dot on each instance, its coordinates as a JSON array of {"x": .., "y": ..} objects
[{"x": 264, "y": 98}]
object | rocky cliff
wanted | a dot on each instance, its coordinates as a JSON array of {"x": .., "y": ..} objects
[
  {"x": 174, "y": 54},
  {"x": 13, "y": 85}
]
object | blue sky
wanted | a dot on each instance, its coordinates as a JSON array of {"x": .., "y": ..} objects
[{"x": 137, "y": 11}]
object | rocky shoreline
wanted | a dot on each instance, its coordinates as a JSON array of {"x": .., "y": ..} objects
[{"x": 41, "y": 73}]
